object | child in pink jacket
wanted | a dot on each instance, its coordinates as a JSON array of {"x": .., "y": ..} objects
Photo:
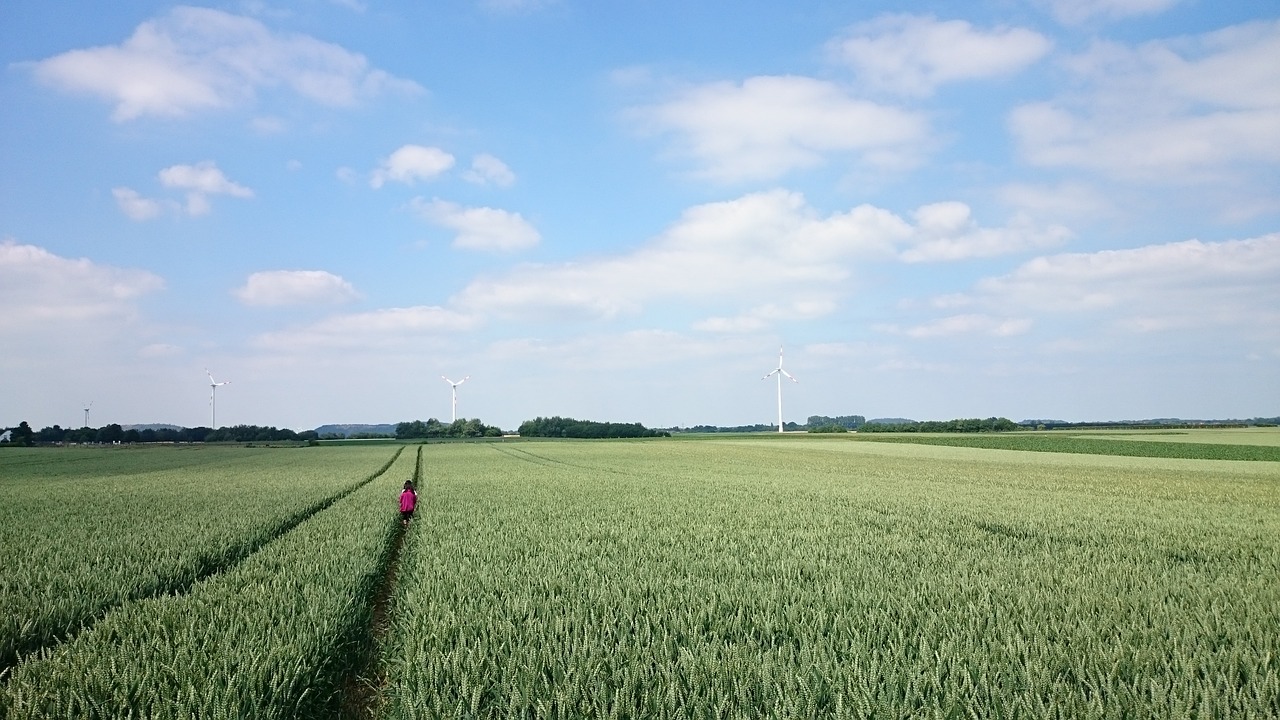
[{"x": 408, "y": 501}]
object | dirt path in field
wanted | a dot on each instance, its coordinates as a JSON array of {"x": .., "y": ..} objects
[
  {"x": 361, "y": 689},
  {"x": 360, "y": 694}
]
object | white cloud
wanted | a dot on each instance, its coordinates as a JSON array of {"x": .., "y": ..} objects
[
  {"x": 134, "y": 205},
  {"x": 489, "y": 170},
  {"x": 39, "y": 289},
  {"x": 371, "y": 331},
  {"x": 971, "y": 324},
  {"x": 268, "y": 125},
  {"x": 912, "y": 54},
  {"x": 353, "y": 5},
  {"x": 733, "y": 252},
  {"x": 1187, "y": 110},
  {"x": 1175, "y": 285},
  {"x": 480, "y": 228},
  {"x": 515, "y": 7},
  {"x": 410, "y": 163},
  {"x": 160, "y": 350},
  {"x": 768, "y": 126},
  {"x": 763, "y": 316},
  {"x": 200, "y": 181},
  {"x": 1075, "y": 12},
  {"x": 193, "y": 59},
  {"x": 295, "y": 287},
  {"x": 946, "y": 231},
  {"x": 1065, "y": 200}
]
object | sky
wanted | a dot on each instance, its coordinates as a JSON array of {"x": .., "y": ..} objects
[{"x": 625, "y": 211}]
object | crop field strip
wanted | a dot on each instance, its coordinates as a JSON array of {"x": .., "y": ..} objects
[
  {"x": 1089, "y": 445},
  {"x": 272, "y": 637},
  {"x": 46, "y": 602},
  {"x": 360, "y": 689},
  {"x": 771, "y": 578},
  {"x": 760, "y": 577}
]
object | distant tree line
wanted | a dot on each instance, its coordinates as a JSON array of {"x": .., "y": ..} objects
[
  {"x": 966, "y": 425},
  {"x": 847, "y": 422},
  {"x": 1153, "y": 424},
  {"x": 433, "y": 428},
  {"x": 114, "y": 433},
  {"x": 758, "y": 427},
  {"x": 569, "y": 428}
]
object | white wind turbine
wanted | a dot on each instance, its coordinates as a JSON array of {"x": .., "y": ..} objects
[
  {"x": 213, "y": 395},
  {"x": 780, "y": 372},
  {"x": 86, "y": 413},
  {"x": 454, "y": 385}
]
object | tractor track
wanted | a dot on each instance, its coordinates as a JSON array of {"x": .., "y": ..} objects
[
  {"x": 360, "y": 691},
  {"x": 228, "y": 562}
]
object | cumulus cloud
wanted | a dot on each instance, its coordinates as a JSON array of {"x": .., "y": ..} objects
[
  {"x": 200, "y": 181},
  {"x": 1075, "y": 12},
  {"x": 379, "y": 329},
  {"x": 733, "y": 252},
  {"x": 1064, "y": 200},
  {"x": 410, "y": 163},
  {"x": 42, "y": 289},
  {"x": 767, "y": 126},
  {"x": 1181, "y": 110},
  {"x": 971, "y": 324},
  {"x": 763, "y": 316},
  {"x": 480, "y": 228},
  {"x": 1183, "y": 284},
  {"x": 489, "y": 170},
  {"x": 134, "y": 205},
  {"x": 295, "y": 287},
  {"x": 194, "y": 59},
  {"x": 515, "y": 7},
  {"x": 912, "y": 54},
  {"x": 947, "y": 231}
]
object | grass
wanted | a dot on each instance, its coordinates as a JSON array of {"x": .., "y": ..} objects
[
  {"x": 720, "y": 577},
  {"x": 1124, "y": 444},
  {"x": 794, "y": 577}
]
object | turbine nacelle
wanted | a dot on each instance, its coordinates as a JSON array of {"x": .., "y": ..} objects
[
  {"x": 213, "y": 392},
  {"x": 454, "y": 386}
]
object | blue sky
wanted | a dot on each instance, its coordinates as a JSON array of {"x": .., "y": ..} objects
[{"x": 621, "y": 211}]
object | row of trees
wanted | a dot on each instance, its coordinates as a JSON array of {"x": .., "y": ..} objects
[
  {"x": 966, "y": 425},
  {"x": 433, "y": 428},
  {"x": 569, "y": 428},
  {"x": 847, "y": 422},
  {"x": 114, "y": 433}
]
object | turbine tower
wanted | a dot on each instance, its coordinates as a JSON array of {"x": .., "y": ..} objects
[
  {"x": 86, "y": 413},
  {"x": 780, "y": 372},
  {"x": 454, "y": 385},
  {"x": 213, "y": 394}
]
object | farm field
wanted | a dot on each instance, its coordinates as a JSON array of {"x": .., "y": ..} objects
[
  {"x": 1223, "y": 444},
  {"x": 711, "y": 577},
  {"x": 83, "y": 530},
  {"x": 796, "y": 577}
]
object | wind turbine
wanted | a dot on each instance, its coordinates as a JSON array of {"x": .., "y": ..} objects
[
  {"x": 213, "y": 394},
  {"x": 454, "y": 385},
  {"x": 86, "y": 413},
  {"x": 780, "y": 372}
]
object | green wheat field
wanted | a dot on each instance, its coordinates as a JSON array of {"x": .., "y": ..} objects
[{"x": 1036, "y": 575}]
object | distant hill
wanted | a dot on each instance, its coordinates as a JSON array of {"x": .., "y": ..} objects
[
  {"x": 355, "y": 429},
  {"x": 889, "y": 421},
  {"x": 152, "y": 426}
]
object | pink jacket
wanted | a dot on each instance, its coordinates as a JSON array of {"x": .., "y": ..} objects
[{"x": 408, "y": 499}]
